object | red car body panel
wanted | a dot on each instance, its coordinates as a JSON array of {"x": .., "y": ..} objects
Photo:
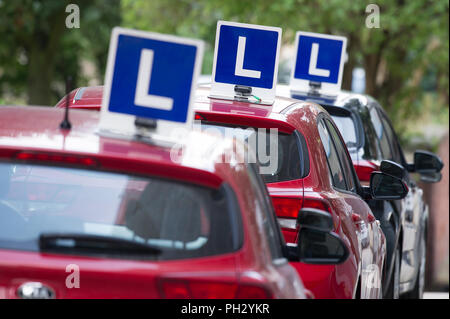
[
  {"x": 250, "y": 266},
  {"x": 83, "y": 98},
  {"x": 363, "y": 236},
  {"x": 367, "y": 245}
]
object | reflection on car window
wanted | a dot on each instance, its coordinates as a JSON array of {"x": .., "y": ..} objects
[
  {"x": 287, "y": 156},
  {"x": 393, "y": 141},
  {"x": 381, "y": 136},
  {"x": 183, "y": 220},
  {"x": 264, "y": 204},
  {"x": 337, "y": 175},
  {"x": 371, "y": 144},
  {"x": 346, "y": 162},
  {"x": 346, "y": 126}
]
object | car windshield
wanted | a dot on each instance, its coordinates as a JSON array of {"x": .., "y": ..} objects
[
  {"x": 105, "y": 211},
  {"x": 277, "y": 154}
]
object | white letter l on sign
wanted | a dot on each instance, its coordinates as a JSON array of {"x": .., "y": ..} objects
[
  {"x": 313, "y": 69},
  {"x": 142, "y": 98},
  {"x": 239, "y": 69}
]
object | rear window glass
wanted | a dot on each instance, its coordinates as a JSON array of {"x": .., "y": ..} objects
[
  {"x": 277, "y": 154},
  {"x": 347, "y": 128},
  {"x": 177, "y": 220}
]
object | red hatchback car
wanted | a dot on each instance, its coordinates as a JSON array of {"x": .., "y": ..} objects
[
  {"x": 314, "y": 171},
  {"x": 88, "y": 216}
]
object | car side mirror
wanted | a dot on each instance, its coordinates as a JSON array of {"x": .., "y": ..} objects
[
  {"x": 393, "y": 169},
  {"x": 317, "y": 243},
  {"x": 431, "y": 177},
  {"x": 427, "y": 163},
  {"x": 315, "y": 219},
  {"x": 387, "y": 187}
]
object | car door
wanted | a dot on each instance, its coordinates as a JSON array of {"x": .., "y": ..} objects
[
  {"x": 360, "y": 215},
  {"x": 412, "y": 206},
  {"x": 285, "y": 277}
]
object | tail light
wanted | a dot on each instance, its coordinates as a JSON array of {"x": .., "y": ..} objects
[
  {"x": 287, "y": 210},
  {"x": 289, "y": 207},
  {"x": 46, "y": 157},
  {"x": 364, "y": 169},
  {"x": 316, "y": 203},
  {"x": 191, "y": 289}
]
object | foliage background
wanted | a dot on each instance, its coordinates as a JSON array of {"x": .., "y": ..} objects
[{"x": 405, "y": 60}]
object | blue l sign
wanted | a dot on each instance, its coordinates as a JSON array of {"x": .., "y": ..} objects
[
  {"x": 246, "y": 54},
  {"x": 320, "y": 58},
  {"x": 151, "y": 75}
]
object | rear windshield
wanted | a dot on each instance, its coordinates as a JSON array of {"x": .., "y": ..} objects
[
  {"x": 102, "y": 213},
  {"x": 278, "y": 154}
]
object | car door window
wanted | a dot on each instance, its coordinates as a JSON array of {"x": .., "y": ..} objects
[
  {"x": 396, "y": 157},
  {"x": 381, "y": 134},
  {"x": 344, "y": 158},
  {"x": 371, "y": 146},
  {"x": 270, "y": 223},
  {"x": 337, "y": 174}
]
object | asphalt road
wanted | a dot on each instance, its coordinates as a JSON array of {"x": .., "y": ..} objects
[{"x": 435, "y": 295}]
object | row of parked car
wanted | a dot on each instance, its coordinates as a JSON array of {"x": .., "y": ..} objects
[{"x": 340, "y": 215}]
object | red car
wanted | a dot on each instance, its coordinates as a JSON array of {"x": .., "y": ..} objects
[
  {"x": 88, "y": 216},
  {"x": 314, "y": 171}
]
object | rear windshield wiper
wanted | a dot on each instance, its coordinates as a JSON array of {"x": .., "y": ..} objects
[{"x": 95, "y": 244}]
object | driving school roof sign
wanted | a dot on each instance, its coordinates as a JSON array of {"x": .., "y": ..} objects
[
  {"x": 150, "y": 76},
  {"x": 246, "y": 55},
  {"x": 319, "y": 62}
]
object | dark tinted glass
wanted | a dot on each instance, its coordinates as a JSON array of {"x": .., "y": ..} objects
[
  {"x": 426, "y": 162},
  {"x": 387, "y": 186},
  {"x": 320, "y": 245}
]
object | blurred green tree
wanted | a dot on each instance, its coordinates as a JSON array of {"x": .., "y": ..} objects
[
  {"x": 410, "y": 47},
  {"x": 38, "y": 51},
  {"x": 404, "y": 59}
]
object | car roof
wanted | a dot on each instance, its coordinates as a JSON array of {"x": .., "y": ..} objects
[
  {"x": 280, "y": 104},
  {"x": 277, "y": 115},
  {"x": 34, "y": 128},
  {"x": 341, "y": 99},
  {"x": 91, "y": 97},
  {"x": 248, "y": 114},
  {"x": 84, "y": 97}
]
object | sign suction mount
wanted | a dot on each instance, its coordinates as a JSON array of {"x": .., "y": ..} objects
[{"x": 245, "y": 62}]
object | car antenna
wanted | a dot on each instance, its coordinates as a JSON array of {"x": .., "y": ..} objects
[{"x": 65, "y": 124}]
